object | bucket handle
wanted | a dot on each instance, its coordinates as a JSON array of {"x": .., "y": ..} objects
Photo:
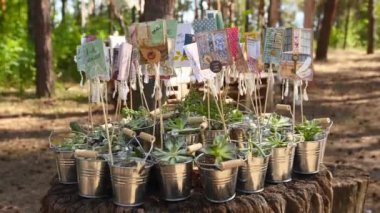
[
  {"x": 327, "y": 121},
  {"x": 196, "y": 119},
  {"x": 231, "y": 164},
  {"x": 85, "y": 153},
  {"x": 193, "y": 148}
]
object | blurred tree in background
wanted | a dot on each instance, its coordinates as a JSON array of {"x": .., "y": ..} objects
[{"x": 351, "y": 27}]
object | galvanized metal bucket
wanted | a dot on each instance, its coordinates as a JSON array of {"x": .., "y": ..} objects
[
  {"x": 251, "y": 177},
  {"x": 175, "y": 180},
  {"x": 218, "y": 185},
  {"x": 129, "y": 183},
  {"x": 324, "y": 142},
  {"x": 209, "y": 135},
  {"x": 93, "y": 177},
  {"x": 307, "y": 157},
  {"x": 280, "y": 164},
  {"x": 66, "y": 167}
]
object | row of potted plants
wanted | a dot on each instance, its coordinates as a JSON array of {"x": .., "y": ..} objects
[{"x": 254, "y": 149}]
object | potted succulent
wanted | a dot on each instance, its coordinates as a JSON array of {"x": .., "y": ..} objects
[
  {"x": 281, "y": 159},
  {"x": 175, "y": 166},
  {"x": 129, "y": 174},
  {"x": 307, "y": 156},
  {"x": 186, "y": 127},
  {"x": 137, "y": 120},
  {"x": 64, "y": 152},
  {"x": 218, "y": 167},
  {"x": 251, "y": 176}
]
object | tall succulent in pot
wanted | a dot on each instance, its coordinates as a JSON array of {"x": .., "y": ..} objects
[
  {"x": 307, "y": 155},
  {"x": 218, "y": 167},
  {"x": 175, "y": 166}
]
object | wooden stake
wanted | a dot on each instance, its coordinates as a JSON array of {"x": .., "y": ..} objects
[{"x": 106, "y": 125}]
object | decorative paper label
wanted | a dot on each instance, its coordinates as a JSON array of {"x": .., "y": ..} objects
[
  {"x": 95, "y": 59},
  {"x": 204, "y": 25},
  {"x": 213, "y": 46},
  {"x": 180, "y": 59},
  {"x": 273, "y": 45},
  {"x": 297, "y": 56},
  {"x": 253, "y": 55}
]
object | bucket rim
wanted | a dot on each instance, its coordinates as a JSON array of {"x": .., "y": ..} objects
[
  {"x": 214, "y": 166},
  {"x": 186, "y": 162},
  {"x": 148, "y": 164}
]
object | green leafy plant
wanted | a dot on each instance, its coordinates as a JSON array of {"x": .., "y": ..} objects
[
  {"x": 234, "y": 115},
  {"x": 221, "y": 149},
  {"x": 135, "y": 119},
  {"x": 277, "y": 122},
  {"x": 174, "y": 152},
  {"x": 77, "y": 138},
  {"x": 278, "y": 140},
  {"x": 178, "y": 123},
  {"x": 310, "y": 130}
]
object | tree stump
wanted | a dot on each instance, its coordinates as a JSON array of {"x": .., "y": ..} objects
[{"x": 317, "y": 193}]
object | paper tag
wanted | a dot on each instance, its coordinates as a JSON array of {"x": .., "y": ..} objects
[
  {"x": 204, "y": 25},
  {"x": 273, "y": 45}
]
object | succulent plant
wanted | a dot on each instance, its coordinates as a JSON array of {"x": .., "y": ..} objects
[
  {"x": 220, "y": 149},
  {"x": 178, "y": 123},
  {"x": 310, "y": 130},
  {"x": 278, "y": 140},
  {"x": 277, "y": 122},
  {"x": 135, "y": 119},
  {"x": 174, "y": 152}
]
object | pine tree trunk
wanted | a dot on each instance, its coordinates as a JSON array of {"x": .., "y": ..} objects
[
  {"x": 63, "y": 10},
  {"x": 346, "y": 24},
  {"x": 260, "y": 20},
  {"x": 246, "y": 23},
  {"x": 274, "y": 12},
  {"x": 371, "y": 28},
  {"x": 309, "y": 11},
  {"x": 154, "y": 9},
  {"x": 324, "y": 34},
  {"x": 43, "y": 49}
]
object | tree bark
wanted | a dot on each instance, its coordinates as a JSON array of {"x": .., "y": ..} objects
[
  {"x": 371, "y": 28},
  {"x": 154, "y": 9},
  {"x": 309, "y": 11},
  {"x": 274, "y": 13},
  {"x": 324, "y": 34},
  {"x": 261, "y": 13},
  {"x": 43, "y": 48},
  {"x": 346, "y": 24},
  {"x": 344, "y": 191},
  {"x": 63, "y": 10},
  {"x": 246, "y": 23}
]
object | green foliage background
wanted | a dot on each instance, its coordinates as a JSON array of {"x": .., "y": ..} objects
[{"x": 17, "y": 52}]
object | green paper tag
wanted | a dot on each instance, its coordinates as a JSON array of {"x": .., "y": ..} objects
[
  {"x": 171, "y": 28},
  {"x": 156, "y": 29},
  {"x": 95, "y": 59}
]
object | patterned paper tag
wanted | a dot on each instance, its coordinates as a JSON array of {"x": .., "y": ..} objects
[
  {"x": 213, "y": 46},
  {"x": 204, "y": 25},
  {"x": 273, "y": 45}
]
